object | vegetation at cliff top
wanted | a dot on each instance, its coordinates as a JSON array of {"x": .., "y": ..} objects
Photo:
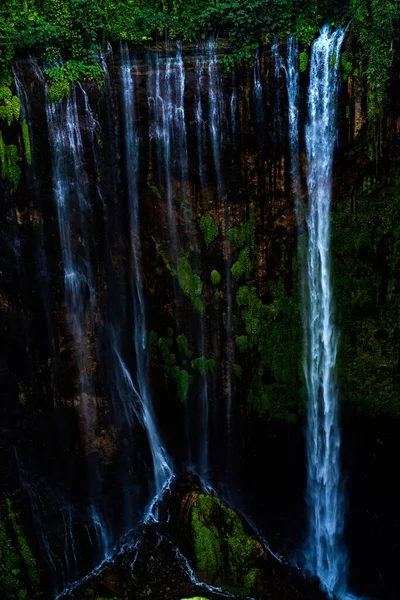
[{"x": 73, "y": 29}]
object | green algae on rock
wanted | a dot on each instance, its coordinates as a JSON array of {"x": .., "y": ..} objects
[{"x": 225, "y": 554}]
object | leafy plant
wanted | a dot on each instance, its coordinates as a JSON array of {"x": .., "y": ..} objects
[
  {"x": 208, "y": 229},
  {"x": 10, "y": 169},
  {"x": 215, "y": 277},
  {"x": 303, "y": 62},
  {"x": 10, "y": 106},
  {"x": 27, "y": 142},
  {"x": 189, "y": 282}
]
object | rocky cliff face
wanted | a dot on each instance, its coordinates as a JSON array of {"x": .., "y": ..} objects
[{"x": 220, "y": 272}]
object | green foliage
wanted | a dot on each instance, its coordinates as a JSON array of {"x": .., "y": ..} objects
[
  {"x": 19, "y": 577},
  {"x": 10, "y": 105},
  {"x": 246, "y": 21},
  {"x": 189, "y": 282},
  {"x": 152, "y": 339},
  {"x": 10, "y": 169},
  {"x": 224, "y": 552},
  {"x": 243, "y": 238},
  {"x": 73, "y": 28},
  {"x": 203, "y": 365},
  {"x": 244, "y": 234},
  {"x": 242, "y": 342},
  {"x": 306, "y": 29},
  {"x": 272, "y": 331},
  {"x": 168, "y": 357},
  {"x": 237, "y": 369},
  {"x": 366, "y": 267},
  {"x": 59, "y": 90},
  {"x": 183, "y": 346},
  {"x": 303, "y": 62},
  {"x": 155, "y": 190},
  {"x": 175, "y": 365},
  {"x": 183, "y": 382},
  {"x": 244, "y": 55},
  {"x": 208, "y": 229},
  {"x": 74, "y": 70},
  {"x": 62, "y": 77},
  {"x": 243, "y": 267},
  {"x": 215, "y": 277},
  {"x": 377, "y": 24},
  {"x": 27, "y": 142},
  {"x": 346, "y": 65}
]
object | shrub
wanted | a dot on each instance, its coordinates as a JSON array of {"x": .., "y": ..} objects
[
  {"x": 208, "y": 229},
  {"x": 215, "y": 277}
]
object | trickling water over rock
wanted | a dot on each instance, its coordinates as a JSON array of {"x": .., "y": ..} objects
[
  {"x": 325, "y": 554},
  {"x": 224, "y": 559}
]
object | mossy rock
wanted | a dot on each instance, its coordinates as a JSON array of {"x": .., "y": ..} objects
[{"x": 225, "y": 554}]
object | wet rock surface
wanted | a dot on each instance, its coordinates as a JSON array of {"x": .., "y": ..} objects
[{"x": 160, "y": 562}]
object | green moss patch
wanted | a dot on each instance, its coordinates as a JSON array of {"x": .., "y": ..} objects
[
  {"x": 19, "y": 576},
  {"x": 189, "y": 282},
  {"x": 225, "y": 554},
  {"x": 366, "y": 269},
  {"x": 9, "y": 167},
  {"x": 10, "y": 106},
  {"x": 208, "y": 229}
]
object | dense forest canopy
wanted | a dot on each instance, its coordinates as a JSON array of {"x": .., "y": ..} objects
[{"x": 73, "y": 29}]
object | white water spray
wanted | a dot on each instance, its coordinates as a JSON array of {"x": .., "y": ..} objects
[{"x": 325, "y": 554}]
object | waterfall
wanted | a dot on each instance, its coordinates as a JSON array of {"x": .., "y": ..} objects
[
  {"x": 200, "y": 124},
  {"x": 278, "y": 66},
  {"x": 292, "y": 84},
  {"x": 167, "y": 129},
  {"x": 162, "y": 469},
  {"x": 71, "y": 194},
  {"x": 233, "y": 110},
  {"x": 325, "y": 555},
  {"x": 258, "y": 91},
  {"x": 34, "y": 183},
  {"x": 217, "y": 116}
]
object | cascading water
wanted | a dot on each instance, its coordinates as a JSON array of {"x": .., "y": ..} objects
[
  {"x": 162, "y": 469},
  {"x": 42, "y": 268},
  {"x": 105, "y": 276},
  {"x": 217, "y": 126},
  {"x": 217, "y": 115},
  {"x": 325, "y": 554},
  {"x": 258, "y": 91},
  {"x": 128, "y": 394},
  {"x": 71, "y": 193},
  {"x": 200, "y": 123},
  {"x": 292, "y": 84},
  {"x": 70, "y": 188},
  {"x": 167, "y": 129},
  {"x": 278, "y": 66}
]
